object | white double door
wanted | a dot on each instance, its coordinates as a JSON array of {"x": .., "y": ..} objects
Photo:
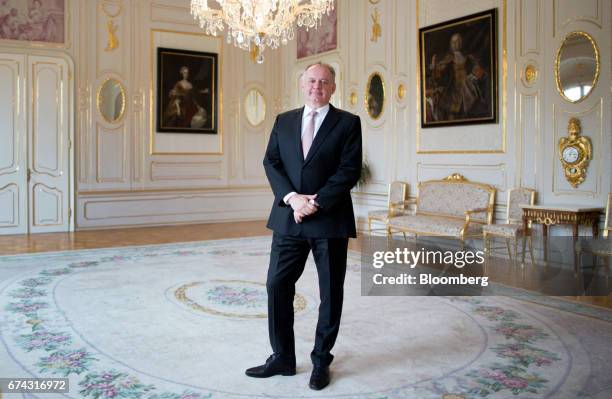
[{"x": 35, "y": 144}]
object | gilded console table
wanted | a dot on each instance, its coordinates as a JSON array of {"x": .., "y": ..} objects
[{"x": 551, "y": 215}]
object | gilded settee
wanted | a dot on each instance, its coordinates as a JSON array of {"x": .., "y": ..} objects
[{"x": 451, "y": 207}]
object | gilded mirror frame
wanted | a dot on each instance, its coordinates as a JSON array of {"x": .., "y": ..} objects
[
  {"x": 558, "y": 65},
  {"x": 100, "y": 100},
  {"x": 265, "y": 106},
  {"x": 367, "y": 95}
]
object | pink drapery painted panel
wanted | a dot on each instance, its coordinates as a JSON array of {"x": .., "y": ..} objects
[
  {"x": 33, "y": 20},
  {"x": 320, "y": 40}
]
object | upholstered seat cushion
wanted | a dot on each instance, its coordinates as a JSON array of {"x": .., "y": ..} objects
[
  {"x": 503, "y": 229},
  {"x": 381, "y": 214},
  {"x": 435, "y": 225}
]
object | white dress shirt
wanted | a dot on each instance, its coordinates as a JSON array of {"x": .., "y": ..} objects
[{"x": 321, "y": 114}]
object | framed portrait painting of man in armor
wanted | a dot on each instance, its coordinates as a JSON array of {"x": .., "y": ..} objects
[
  {"x": 458, "y": 60},
  {"x": 187, "y": 99}
]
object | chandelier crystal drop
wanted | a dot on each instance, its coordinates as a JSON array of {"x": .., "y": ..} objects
[{"x": 261, "y": 23}]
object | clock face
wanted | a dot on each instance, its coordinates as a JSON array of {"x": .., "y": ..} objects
[{"x": 570, "y": 154}]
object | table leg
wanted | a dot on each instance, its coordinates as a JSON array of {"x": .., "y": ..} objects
[
  {"x": 575, "y": 239},
  {"x": 545, "y": 241},
  {"x": 526, "y": 233},
  {"x": 575, "y": 230}
]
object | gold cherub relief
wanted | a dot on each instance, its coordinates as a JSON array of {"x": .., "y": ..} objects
[
  {"x": 376, "y": 28},
  {"x": 112, "y": 42}
]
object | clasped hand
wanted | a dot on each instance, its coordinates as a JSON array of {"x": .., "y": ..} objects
[{"x": 303, "y": 205}]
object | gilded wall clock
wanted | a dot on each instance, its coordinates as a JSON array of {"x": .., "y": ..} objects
[{"x": 575, "y": 152}]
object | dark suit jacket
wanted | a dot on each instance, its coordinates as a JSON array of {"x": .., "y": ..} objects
[{"x": 331, "y": 169}]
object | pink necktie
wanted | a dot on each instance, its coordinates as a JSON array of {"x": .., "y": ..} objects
[{"x": 308, "y": 135}]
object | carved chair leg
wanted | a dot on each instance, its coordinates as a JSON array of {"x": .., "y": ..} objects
[
  {"x": 524, "y": 242},
  {"x": 404, "y": 233},
  {"x": 531, "y": 250},
  {"x": 515, "y": 242}
]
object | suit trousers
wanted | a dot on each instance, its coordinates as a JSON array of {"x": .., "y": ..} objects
[{"x": 287, "y": 261}]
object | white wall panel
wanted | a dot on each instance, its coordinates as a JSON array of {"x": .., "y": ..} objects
[
  {"x": 180, "y": 207},
  {"x": 171, "y": 13},
  {"x": 567, "y": 12},
  {"x": 208, "y": 170},
  {"x": 529, "y": 27},
  {"x": 111, "y": 144},
  {"x": 495, "y": 175},
  {"x": 528, "y": 145}
]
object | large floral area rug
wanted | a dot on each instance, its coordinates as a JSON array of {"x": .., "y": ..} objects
[{"x": 186, "y": 320}]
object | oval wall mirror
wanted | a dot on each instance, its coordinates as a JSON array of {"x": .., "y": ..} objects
[
  {"x": 375, "y": 95},
  {"x": 255, "y": 107},
  {"x": 111, "y": 100},
  {"x": 577, "y": 66}
]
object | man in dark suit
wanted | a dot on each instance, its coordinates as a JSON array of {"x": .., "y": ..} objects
[{"x": 312, "y": 161}]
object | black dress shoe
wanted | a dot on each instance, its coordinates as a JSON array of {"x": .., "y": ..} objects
[
  {"x": 319, "y": 378},
  {"x": 273, "y": 366}
]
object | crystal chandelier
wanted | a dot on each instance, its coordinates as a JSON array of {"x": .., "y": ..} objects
[{"x": 254, "y": 25}]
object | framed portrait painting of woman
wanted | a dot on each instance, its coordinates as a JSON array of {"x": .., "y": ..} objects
[
  {"x": 458, "y": 60},
  {"x": 187, "y": 99}
]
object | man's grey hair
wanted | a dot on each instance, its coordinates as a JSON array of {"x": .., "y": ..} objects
[{"x": 330, "y": 68}]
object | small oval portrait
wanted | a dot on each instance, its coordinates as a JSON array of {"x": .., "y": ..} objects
[{"x": 375, "y": 95}]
